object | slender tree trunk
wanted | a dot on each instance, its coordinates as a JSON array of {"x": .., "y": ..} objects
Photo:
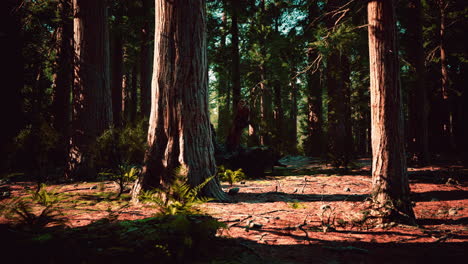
[
  {"x": 236, "y": 89},
  {"x": 117, "y": 76},
  {"x": 266, "y": 95},
  {"x": 224, "y": 98},
  {"x": 418, "y": 108},
  {"x": 446, "y": 126},
  {"x": 336, "y": 112},
  {"x": 179, "y": 133},
  {"x": 293, "y": 117},
  {"x": 313, "y": 144},
  {"x": 145, "y": 61},
  {"x": 336, "y": 82},
  {"x": 390, "y": 187},
  {"x": 278, "y": 114},
  {"x": 349, "y": 141},
  {"x": 133, "y": 88},
  {"x": 92, "y": 107}
]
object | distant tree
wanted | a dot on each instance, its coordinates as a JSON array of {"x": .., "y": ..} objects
[
  {"x": 92, "y": 107},
  {"x": 418, "y": 104},
  {"x": 145, "y": 58},
  {"x": 117, "y": 44},
  {"x": 337, "y": 83},
  {"x": 313, "y": 144},
  {"x": 179, "y": 131},
  {"x": 236, "y": 84},
  {"x": 390, "y": 187},
  {"x": 64, "y": 76}
]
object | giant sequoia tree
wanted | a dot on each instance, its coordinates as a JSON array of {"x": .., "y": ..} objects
[
  {"x": 92, "y": 108},
  {"x": 179, "y": 132},
  {"x": 390, "y": 187}
]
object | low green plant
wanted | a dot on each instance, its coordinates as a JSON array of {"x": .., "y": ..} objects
[
  {"x": 124, "y": 174},
  {"x": 295, "y": 204},
  {"x": 179, "y": 198},
  {"x": 36, "y": 211},
  {"x": 230, "y": 175},
  {"x": 46, "y": 198}
]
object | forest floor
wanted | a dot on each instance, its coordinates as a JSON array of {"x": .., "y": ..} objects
[{"x": 306, "y": 212}]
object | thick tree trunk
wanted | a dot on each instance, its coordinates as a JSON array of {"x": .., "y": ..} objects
[
  {"x": 64, "y": 76},
  {"x": 12, "y": 63},
  {"x": 418, "y": 108},
  {"x": 390, "y": 187},
  {"x": 236, "y": 89},
  {"x": 145, "y": 61},
  {"x": 179, "y": 131},
  {"x": 63, "y": 81},
  {"x": 92, "y": 107}
]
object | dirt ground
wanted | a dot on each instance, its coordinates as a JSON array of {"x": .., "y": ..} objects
[{"x": 308, "y": 212}]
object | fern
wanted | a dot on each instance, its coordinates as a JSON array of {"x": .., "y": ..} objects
[
  {"x": 179, "y": 197},
  {"x": 230, "y": 175}
]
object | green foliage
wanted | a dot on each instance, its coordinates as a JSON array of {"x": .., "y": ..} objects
[
  {"x": 35, "y": 211},
  {"x": 230, "y": 175},
  {"x": 121, "y": 146},
  {"x": 124, "y": 174},
  {"x": 179, "y": 198},
  {"x": 295, "y": 204},
  {"x": 34, "y": 146},
  {"x": 46, "y": 198}
]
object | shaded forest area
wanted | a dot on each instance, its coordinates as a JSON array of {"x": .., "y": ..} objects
[{"x": 234, "y": 131}]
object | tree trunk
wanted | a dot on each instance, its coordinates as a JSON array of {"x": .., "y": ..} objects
[
  {"x": 179, "y": 133},
  {"x": 278, "y": 115},
  {"x": 92, "y": 107},
  {"x": 349, "y": 141},
  {"x": 117, "y": 75},
  {"x": 336, "y": 82},
  {"x": 236, "y": 89},
  {"x": 64, "y": 75},
  {"x": 447, "y": 140},
  {"x": 266, "y": 95},
  {"x": 63, "y": 81},
  {"x": 293, "y": 117},
  {"x": 336, "y": 112},
  {"x": 145, "y": 61},
  {"x": 418, "y": 108},
  {"x": 12, "y": 77},
  {"x": 132, "y": 102},
  {"x": 224, "y": 98},
  {"x": 313, "y": 144},
  {"x": 390, "y": 187}
]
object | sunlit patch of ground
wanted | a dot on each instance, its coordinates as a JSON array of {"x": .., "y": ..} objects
[{"x": 302, "y": 205}]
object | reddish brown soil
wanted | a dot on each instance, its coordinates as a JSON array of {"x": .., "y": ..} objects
[{"x": 314, "y": 216}]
